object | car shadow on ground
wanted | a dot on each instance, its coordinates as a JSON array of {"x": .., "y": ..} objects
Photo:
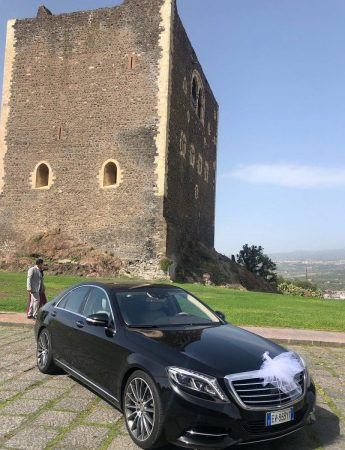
[{"x": 324, "y": 432}]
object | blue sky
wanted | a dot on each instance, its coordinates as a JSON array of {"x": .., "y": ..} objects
[{"x": 277, "y": 69}]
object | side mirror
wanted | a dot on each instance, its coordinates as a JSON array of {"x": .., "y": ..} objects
[
  {"x": 98, "y": 320},
  {"x": 221, "y": 315}
]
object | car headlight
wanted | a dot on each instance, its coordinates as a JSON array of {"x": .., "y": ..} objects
[
  {"x": 305, "y": 367},
  {"x": 196, "y": 382},
  {"x": 300, "y": 359}
]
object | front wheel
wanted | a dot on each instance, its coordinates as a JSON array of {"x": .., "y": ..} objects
[
  {"x": 45, "y": 361},
  {"x": 143, "y": 411}
]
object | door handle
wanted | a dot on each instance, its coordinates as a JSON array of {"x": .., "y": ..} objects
[
  {"x": 53, "y": 314},
  {"x": 80, "y": 324}
]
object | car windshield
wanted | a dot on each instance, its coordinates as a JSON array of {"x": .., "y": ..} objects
[{"x": 158, "y": 307}]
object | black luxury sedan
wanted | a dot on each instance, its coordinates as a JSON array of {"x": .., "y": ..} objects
[{"x": 176, "y": 369}]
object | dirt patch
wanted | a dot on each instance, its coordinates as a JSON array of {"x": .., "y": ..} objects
[{"x": 62, "y": 255}]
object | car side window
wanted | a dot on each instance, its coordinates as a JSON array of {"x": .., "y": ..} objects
[
  {"x": 97, "y": 303},
  {"x": 73, "y": 300}
]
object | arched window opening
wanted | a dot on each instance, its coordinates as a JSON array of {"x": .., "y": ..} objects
[
  {"x": 42, "y": 176},
  {"x": 110, "y": 174}
]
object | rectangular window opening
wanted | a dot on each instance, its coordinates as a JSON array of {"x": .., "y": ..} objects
[{"x": 132, "y": 62}]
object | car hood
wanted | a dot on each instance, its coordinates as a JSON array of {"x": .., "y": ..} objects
[{"x": 224, "y": 349}]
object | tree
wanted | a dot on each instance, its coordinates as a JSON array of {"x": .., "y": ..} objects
[{"x": 254, "y": 259}]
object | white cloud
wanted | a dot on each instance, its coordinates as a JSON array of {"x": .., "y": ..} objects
[{"x": 290, "y": 175}]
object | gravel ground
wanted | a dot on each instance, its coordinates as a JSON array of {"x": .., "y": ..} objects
[{"x": 55, "y": 412}]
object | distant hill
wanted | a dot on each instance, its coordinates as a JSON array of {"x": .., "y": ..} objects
[{"x": 302, "y": 255}]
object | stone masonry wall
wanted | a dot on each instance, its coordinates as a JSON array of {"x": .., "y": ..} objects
[
  {"x": 77, "y": 100},
  {"x": 190, "y": 202}
]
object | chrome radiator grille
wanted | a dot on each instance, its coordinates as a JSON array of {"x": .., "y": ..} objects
[{"x": 250, "y": 392}]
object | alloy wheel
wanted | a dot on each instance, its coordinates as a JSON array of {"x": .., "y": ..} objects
[
  {"x": 139, "y": 409},
  {"x": 42, "y": 349}
]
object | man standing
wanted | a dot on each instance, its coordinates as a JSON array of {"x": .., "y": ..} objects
[{"x": 34, "y": 285}]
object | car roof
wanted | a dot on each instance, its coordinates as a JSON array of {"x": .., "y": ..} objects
[{"x": 110, "y": 285}]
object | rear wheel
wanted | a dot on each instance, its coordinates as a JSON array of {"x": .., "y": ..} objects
[
  {"x": 45, "y": 361},
  {"x": 143, "y": 411}
]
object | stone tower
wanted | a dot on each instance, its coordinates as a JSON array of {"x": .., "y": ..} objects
[{"x": 108, "y": 133}]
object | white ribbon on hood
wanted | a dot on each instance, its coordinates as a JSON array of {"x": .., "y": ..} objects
[{"x": 281, "y": 371}]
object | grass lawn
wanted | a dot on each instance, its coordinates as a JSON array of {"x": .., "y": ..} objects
[{"x": 241, "y": 308}]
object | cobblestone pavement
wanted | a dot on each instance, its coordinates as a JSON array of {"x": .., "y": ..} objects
[{"x": 44, "y": 412}]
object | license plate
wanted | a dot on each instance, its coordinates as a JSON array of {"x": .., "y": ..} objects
[{"x": 276, "y": 417}]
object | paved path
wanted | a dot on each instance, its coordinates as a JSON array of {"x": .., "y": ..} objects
[
  {"x": 283, "y": 335},
  {"x": 55, "y": 412},
  {"x": 13, "y": 318},
  {"x": 308, "y": 337}
]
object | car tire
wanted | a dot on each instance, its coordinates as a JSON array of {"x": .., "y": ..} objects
[
  {"x": 45, "y": 362},
  {"x": 143, "y": 411}
]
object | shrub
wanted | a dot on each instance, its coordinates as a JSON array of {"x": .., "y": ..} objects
[
  {"x": 165, "y": 264},
  {"x": 305, "y": 284},
  {"x": 291, "y": 289}
]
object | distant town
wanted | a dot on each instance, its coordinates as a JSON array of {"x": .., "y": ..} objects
[{"x": 326, "y": 269}]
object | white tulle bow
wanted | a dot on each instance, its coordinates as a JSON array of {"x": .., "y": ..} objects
[{"x": 281, "y": 371}]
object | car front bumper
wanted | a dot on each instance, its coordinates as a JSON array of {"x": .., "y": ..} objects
[{"x": 193, "y": 422}]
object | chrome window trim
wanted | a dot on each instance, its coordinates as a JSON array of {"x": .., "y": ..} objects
[
  {"x": 88, "y": 320},
  {"x": 81, "y": 315},
  {"x": 256, "y": 374},
  {"x": 78, "y": 374}
]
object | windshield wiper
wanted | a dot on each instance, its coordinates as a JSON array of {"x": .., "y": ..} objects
[
  {"x": 176, "y": 325},
  {"x": 181, "y": 325}
]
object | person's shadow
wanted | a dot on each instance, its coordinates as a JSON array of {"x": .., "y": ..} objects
[{"x": 324, "y": 432}]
